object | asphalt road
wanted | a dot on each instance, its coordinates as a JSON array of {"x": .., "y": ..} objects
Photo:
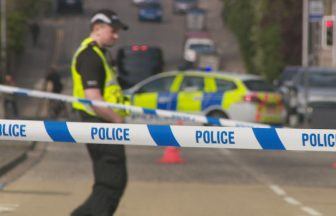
[{"x": 210, "y": 182}]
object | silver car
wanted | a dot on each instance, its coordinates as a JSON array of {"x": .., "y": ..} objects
[{"x": 310, "y": 89}]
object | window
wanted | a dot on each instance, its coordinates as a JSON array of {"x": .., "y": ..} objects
[
  {"x": 258, "y": 85},
  {"x": 322, "y": 79},
  {"x": 288, "y": 74},
  {"x": 136, "y": 63},
  {"x": 225, "y": 85},
  {"x": 206, "y": 48},
  {"x": 161, "y": 84},
  {"x": 192, "y": 83}
]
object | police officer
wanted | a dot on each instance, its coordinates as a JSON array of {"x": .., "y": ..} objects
[{"x": 94, "y": 79}]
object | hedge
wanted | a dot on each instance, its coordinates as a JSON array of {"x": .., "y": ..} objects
[
  {"x": 19, "y": 13},
  {"x": 268, "y": 31}
]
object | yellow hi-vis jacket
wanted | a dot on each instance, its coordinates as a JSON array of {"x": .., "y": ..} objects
[{"x": 112, "y": 91}]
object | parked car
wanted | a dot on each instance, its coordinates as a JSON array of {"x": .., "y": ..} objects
[
  {"x": 182, "y": 6},
  {"x": 138, "y": 2},
  {"x": 150, "y": 11},
  {"x": 197, "y": 42},
  {"x": 307, "y": 89},
  {"x": 63, "y": 6},
  {"x": 137, "y": 62},
  {"x": 223, "y": 95},
  {"x": 286, "y": 77}
]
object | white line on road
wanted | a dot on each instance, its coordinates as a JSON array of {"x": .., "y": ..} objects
[
  {"x": 292, "y": 201},
  {"x": 310, "y": 211},
  {"x": 8, "y": 207},
  {"x": 266, "y": 181},
  {"x": 276, "y": 189},
  {"x": 225, "y": 152}
]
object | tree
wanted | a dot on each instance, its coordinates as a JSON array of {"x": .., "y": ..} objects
[{"x": 268, "y": 33}]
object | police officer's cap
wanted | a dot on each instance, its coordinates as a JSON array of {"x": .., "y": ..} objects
[{"x": 109, "y": 17}]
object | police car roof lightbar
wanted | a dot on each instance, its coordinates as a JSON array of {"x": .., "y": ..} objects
[{"x": 133, "y": 109}]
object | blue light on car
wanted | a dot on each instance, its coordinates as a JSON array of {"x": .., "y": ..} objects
[{"x": 208, "y": 69}]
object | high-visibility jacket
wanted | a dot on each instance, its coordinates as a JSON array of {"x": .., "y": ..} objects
[{"x": 112, "y": 91}]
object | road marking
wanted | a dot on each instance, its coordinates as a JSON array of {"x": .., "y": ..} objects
[
  {"x": 225, "y": 151},
  {"x": 276, "y": 189},
  {"x": 265, "y": 180},
  {"x": 310, "y": 211},
  {"x": 8, "y": 207},
  {"x": 292, "y": 201}
]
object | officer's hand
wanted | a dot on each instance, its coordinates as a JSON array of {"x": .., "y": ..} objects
[{"x": 119, "y": 120}]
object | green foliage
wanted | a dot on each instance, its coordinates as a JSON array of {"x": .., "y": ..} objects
[
  {"x": 268, "y": 33},
  {"x": 31, "y": 8},
  {"x": 16, "y": 31},
  {"x": 268, "y": 60},
  {"x": 239, "y": 16},
  {"x": 19, "y": 12}
]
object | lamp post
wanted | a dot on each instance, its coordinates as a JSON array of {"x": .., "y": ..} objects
[
  {"x": 3, "y": 39},
  {"x": 305, "y": 25},
  {"x": 334, "y": 34},
  {"x": 305, "y": 55}
]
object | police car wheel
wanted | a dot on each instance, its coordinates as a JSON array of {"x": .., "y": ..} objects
[{"x": 216, "y": 114}]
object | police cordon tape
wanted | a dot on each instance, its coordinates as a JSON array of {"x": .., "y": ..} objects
[
  {"x": 133, "y": 109},
  {"x": 165, "y": 135}
]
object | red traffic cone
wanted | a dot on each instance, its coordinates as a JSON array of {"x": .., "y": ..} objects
[
  {"x": 171, "y": 154},
  {"x": 334, "y": 165}
]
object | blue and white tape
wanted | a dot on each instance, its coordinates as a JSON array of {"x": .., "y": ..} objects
[
  {"x": 133, "y": 109},
  {"x": 165, "y": 135}
]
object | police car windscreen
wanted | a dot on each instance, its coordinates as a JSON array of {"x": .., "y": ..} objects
[{"x": 259, "y": 85}]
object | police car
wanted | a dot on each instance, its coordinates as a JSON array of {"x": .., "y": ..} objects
[{"x": 223, "y": 95}]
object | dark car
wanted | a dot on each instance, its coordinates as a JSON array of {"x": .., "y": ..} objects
[
  {"x": 150, "y": 11},
  {"x": 137, "y": 62},
  {"x": 308, "y": 90},
  {"x": 287, "y": 75},
  {"x": 64, "y": 6}
]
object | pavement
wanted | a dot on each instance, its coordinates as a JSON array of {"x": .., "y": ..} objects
[{"x": 33, "y": 63}]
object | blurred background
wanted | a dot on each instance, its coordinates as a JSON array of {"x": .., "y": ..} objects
[{"x": 262, "y": 61}]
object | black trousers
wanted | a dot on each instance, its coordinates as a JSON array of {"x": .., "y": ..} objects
[{"x": 110, "y": 177}]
